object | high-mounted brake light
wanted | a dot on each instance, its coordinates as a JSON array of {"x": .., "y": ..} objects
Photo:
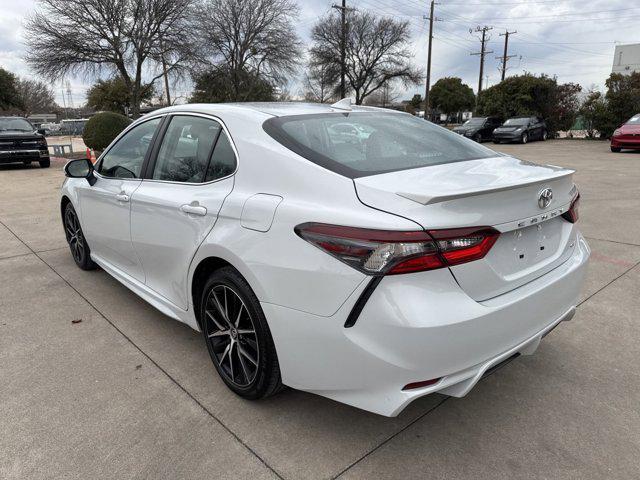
[
  {"x": 573, "y": 213},
  {"x": 385, "y": 252}
]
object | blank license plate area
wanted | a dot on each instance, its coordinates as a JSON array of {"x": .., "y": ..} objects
[{"x": 526, "y": 248}]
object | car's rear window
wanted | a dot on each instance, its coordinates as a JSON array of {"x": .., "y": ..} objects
[{"x": 362, "y": 144}]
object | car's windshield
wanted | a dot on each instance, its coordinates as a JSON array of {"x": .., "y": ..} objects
[
  {"x": 474, "y": 121},
  {"x": 635, "y": 120},
  {"x": 517, "y": 121},
  {"x": 385, "y": 142},
  {"x": 15, "y": 124}
]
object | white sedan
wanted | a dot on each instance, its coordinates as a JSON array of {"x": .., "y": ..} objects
[{"x": 372, "y": 272}]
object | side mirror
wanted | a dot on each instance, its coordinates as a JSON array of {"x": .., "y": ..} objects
[
  {"x": 82, "y": 168},
  {"x": 42, "y": 132}
]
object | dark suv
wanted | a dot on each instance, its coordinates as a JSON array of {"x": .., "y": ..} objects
[
  {"x": 478, "y": 128},
  {"x": 20, "y": 142},
  {"x": 521, "y": 129}
]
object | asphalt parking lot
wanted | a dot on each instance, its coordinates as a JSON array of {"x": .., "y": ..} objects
[{"x": 129, "y": 393}]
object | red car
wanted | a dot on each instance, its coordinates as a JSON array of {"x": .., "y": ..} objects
[{"x": 627, "y": 136}]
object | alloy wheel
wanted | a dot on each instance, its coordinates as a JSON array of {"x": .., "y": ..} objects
[
  {"x": 231, "y": 335},
  {"x": 74, "y": 235}
]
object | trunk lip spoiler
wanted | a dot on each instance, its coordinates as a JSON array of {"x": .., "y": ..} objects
[{"x": 427, "y": 199}]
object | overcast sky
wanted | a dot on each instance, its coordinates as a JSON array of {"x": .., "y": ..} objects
[{"x": 572, "y": 39}]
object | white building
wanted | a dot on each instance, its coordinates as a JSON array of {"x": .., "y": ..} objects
[{"x": 626, "y": 59}]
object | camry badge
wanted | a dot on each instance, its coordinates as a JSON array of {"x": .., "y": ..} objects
[{"x": 545, "y": 197}]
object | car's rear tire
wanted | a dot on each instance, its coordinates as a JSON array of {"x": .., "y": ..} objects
[
  {"x": 75, "y": 239},
  {"x": 238, "y": 336},
  {"x": 524, "y": 138},
  {"x": 45, "y": 163},
  {"x": 616, "y": 149}
]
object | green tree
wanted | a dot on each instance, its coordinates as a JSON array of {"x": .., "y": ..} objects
[
  {"x": 213, "y": 86},
  {"x": 596, "y": 115},
  {"x": 622, "y": 98},
  {"x": 416, "y": 101},
  {"x": 532, "y": 95},
  {"x": 450, "y": 96},
  {"x": 103, "y": 128},
  {"x": 113, "y": 95},
  {"x": 9, "y": 96}
]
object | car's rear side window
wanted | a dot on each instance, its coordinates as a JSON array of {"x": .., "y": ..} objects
[{"x": 362, "y": 144}]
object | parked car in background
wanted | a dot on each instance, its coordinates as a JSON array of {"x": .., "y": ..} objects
[
  {"x": 20, "y": 142},
  {"x": 627, "y": 135},
  {"x": 372, "y": 276},
  {"x": 479, "y": 128},
  {"x": 521, "y": 129},
  {"x": 50, "y": 128}
]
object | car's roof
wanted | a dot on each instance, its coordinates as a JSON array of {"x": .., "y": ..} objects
[{"x": 276, "y": 109}]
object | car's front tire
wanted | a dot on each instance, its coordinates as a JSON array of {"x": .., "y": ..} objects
[
  {"x": 525, "y": 138},
  {"x": 616, "y": 149},
  {"x": 478, "y": 138},
  {"x": 45, "y": 163},
  {"x": 545, "y": 135},
  {"x": 238, "y": 336},
  {"x": 75, "y": 238}
]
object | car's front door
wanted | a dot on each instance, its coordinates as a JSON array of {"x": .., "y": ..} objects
[
  {"x": 188, "y": 177},
  {"x": 535, "y": 129},
  {"x": 106, "y": 205}
]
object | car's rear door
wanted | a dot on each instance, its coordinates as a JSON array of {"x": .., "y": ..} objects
[
  {"x": 188, "y": 177},
  {"x": 105, "y": 206}
]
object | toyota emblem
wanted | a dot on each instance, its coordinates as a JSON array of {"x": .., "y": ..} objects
[{"x": 545, "y": 197}]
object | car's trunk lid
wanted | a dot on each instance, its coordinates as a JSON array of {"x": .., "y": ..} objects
[{"x": 501, "y": 192}]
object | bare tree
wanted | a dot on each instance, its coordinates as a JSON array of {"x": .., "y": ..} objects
[
  {"x": 320, "y": 83},
  {"x": 377, "y": 51},
  {"x": 383, "y": 97},
  {"x": 252, "y": 39},
  {"x": 129, "y": 38},
  {"x": 35, "y": 96}
]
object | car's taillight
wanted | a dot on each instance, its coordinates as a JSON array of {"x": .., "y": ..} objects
[
  {"x": 573, "y": 213},
  {"x": 388, "y": 252}
]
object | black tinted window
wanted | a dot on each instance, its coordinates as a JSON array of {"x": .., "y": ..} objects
[
  {"x": 382, "y": 142},
  {"x": 223, "y": 160},
  {"x": 186, "y": 148},
  {"x": 125, "y": 158}
]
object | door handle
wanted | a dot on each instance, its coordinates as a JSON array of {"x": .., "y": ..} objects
[
  {"x": 194, "y": 210},
  {"x": 122, "y": 197}
]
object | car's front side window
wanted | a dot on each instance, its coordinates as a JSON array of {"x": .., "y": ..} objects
[
  {"x": 125, "y": 158},
  {"x": 186, "y": 149}
]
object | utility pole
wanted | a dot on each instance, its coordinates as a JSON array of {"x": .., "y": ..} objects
[
  {"x": 164, "y": 73},
  {"x": 505, "y": 57},
  {"x": 428, "y": 83},
  {"x": 343, "y": 48},
  {"x": 485, "y": 38}
]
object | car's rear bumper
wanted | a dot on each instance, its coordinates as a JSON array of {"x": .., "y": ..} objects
[
  {"x": 419, "y": 327},
  {"x": 622, "y": 142}
]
